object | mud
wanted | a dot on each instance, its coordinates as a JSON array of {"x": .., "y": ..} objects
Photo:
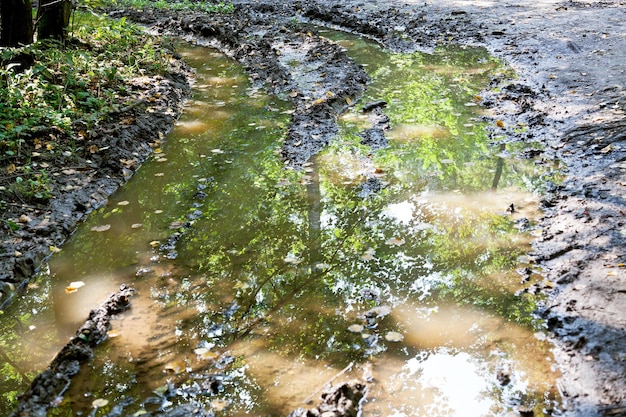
[
  {"x": 569, "y": 97},
  {"x": 343, "y": 400},
  {"x": 49, "y": 385}
]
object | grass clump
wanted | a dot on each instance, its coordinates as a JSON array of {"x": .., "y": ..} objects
[{"x": 47, "y": 109}]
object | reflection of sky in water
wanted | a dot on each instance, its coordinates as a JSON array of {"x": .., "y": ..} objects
[
  {"x": 401, "y": 212},
  {"x": 450, "y": 383},
  {"x": 455, "y": 382}
]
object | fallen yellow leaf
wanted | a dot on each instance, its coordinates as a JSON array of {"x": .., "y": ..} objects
[
  {"x": 101, "y": 228},
  {"x": 74, "y": 286},
  {"x": 219, "y": 405},
  {"x": 292, "y": 260},
  {"x": 394, "y": 337},
  {"x": 206, "y": 354},
  {"x": 355, "y": 328},
  {"x": 368, "y": 255},
  {"x": 606, "y": 149},
  {"x": 100, "y": 402}
]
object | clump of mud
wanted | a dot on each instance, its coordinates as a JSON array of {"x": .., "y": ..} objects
[
  {"x": 341, "y": 401},
  {"x": 49, "y": 385}
]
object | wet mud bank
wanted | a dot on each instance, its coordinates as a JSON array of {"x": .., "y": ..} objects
[
  {"x": 569, "y": 97},
  {"x": 281, "y": 56}
]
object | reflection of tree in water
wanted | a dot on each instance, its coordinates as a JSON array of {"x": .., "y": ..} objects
[
  {"x": 314, "y": 199},
  {"x": 498, "y": 172},
  {"x": 299, "y": 276},
  {"x": 28, "y": 339},
  {"x": 296, "y": 264}
]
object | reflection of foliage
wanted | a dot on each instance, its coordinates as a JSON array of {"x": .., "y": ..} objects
[
  {"x": 26, "y": 329},
  {"x": 435, "y": 122},
  {"x": 475, "y": 240},
  {"x": 479, "y": 254},
  {"x": 270, "y": 257}
]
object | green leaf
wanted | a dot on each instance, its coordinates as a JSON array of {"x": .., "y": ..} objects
[{"x": 12, "y": 225}]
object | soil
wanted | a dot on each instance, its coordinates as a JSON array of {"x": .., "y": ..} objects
[{"x": 570, "y": 95}]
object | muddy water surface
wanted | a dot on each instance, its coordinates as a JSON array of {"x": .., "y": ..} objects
[{"x": 257, "y": 285}]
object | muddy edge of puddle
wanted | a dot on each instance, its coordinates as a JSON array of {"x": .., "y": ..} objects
[{"x": 569, "y": 96}]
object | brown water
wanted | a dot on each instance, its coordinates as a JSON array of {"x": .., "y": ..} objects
[{"x": 399, "y": 267}]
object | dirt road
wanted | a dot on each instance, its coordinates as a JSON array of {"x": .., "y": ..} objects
[{"x": 570, "y": 96}]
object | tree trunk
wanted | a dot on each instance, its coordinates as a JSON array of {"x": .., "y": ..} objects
[
  {"x": 54, "y": 18},
  {"x": 16, "y": 22}
]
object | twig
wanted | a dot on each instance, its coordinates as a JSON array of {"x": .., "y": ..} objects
[
  {"x": 23, "y": 205},
  {"x": 20, "y": 174},
  {"x": 343, "y": 371},
  {"x": 54, "y": 3},
  {"x": 129, "y": 107},
  {"x": 8, "y": 360}
]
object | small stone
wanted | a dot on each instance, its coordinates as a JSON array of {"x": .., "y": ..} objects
[{"x": 25, "y": 219}]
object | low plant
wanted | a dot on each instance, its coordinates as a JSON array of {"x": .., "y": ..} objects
[
  {"x": 46, "y": 109},
  {"x": 33, "y": 188}
]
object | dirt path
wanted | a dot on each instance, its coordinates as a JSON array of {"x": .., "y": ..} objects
[{"x": 571, "y": 95}]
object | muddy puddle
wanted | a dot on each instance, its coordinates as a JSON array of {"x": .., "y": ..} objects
[{"x": 257, "y": 285}]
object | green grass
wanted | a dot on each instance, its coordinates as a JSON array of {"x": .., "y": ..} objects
[{"x": 190, "y": 5}]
